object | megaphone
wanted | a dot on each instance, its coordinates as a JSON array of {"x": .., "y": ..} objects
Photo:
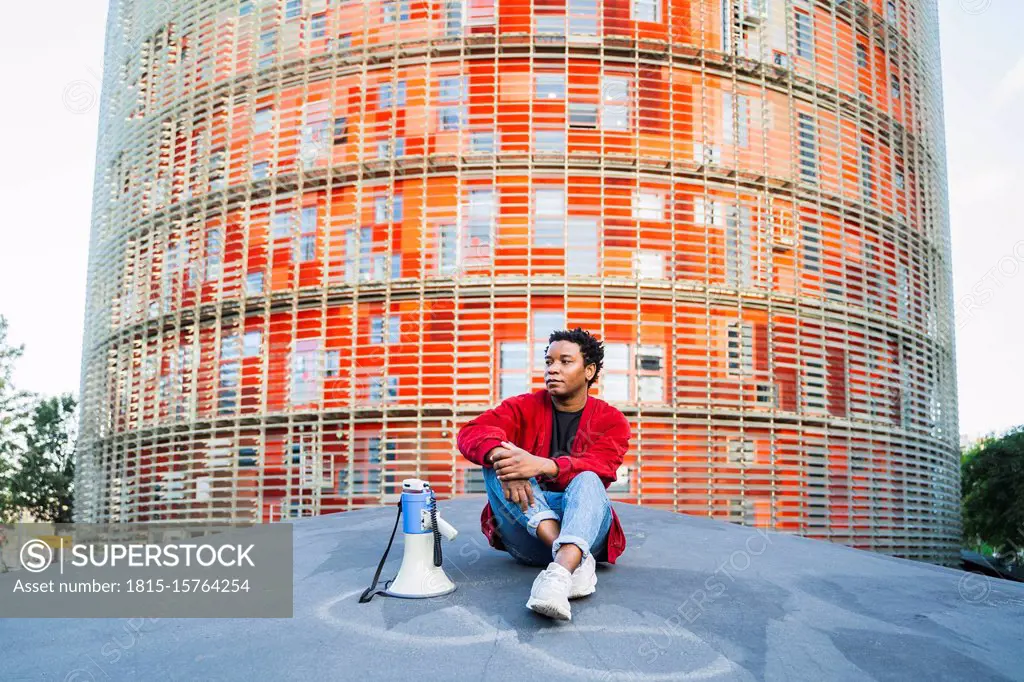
[{"x": 420, "y": 575}]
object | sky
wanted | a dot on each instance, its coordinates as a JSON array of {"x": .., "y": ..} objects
[{"x": 51, "y": 72}]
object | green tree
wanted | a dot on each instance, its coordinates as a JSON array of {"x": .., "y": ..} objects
[
  {"x": 12, "y": 415},
  {"x": 43, "y": 483},
  {"x": 992, "y": 475}
]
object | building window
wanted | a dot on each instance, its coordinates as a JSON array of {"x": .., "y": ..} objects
[
  {"x": 808, "y": 149},
  {"x": 650, "y": 379},
  {"x": 451, "y": 89},
  {"x": 252, "y": 344},
  {"x": 738, "y": 247},
  {"x": 453, "y": 18},
  {"x": 582, "y": 115},
  {"x": 282, "y": 224},
  {"x": 263, "y": 120},
  {"x": 551, "y": 24},
  {"x": 866, "y": 181},
  {"x": 366, "y": 472},
  {"x": 890, "y": 12},
  {"x": 615, "y": 381},
  {"x": 267, "y": 48},
  {"x": 804, "y": 35},
  {"x": 451, "y": 118},
  {"x": 341, "y": 130},
  {"x": 615, "y": 103},
  {"x": 648, "y": 206},
  {"x": 383, "y": 389},
  {"x": 810, "y": 237},
  {"x": 647, "y": 10},
  {"x": 307, "y": 234},
  {"x": 318, "y": 26},
  {"x": 581, "y": 254},
  {"x": 895, "y": 86},
  {"x": 649, "y": 265},
  {"x": 389, "y": 148},
  {"x": 483, "y": 143},
  {"x": 582, "y": 17},
  {"x": 357, "y": 255},
  {"x": 254, "y": 283},
  {"x": 549, "y": 217},
  {"x": 480, "y": 217},
  {"x": 473, "y": 481},
  {"x": 740, "y": 337},
  {"x": 815, "y": 397},
  {"x": 377, "y": 328},
  {"x": 513, "y": 369},
  {"x": 740, "y": 451},
  {"x": 736, "y": 120},
  {"x": 214, "y": 254},
  {"x": 900, "y": 180},
  {"x": 292, "y": 9},
  {"x": 305, "y": 372},
  {"x": 862, "y": 56},
  {"x": 389, "y": 208},
  {"x": 218, "y": 167},
  {"x": 395, "y": 11},
  {"x": 342, "y": 42},
  {"x": 447, "y": 249},
  {"x": 551, "y": 141},
  {"x": 332, "y": 363},
  {"x": 245, "y": 8},
  {"x": 229, "y": 373},
  {"x": 391, "y": 94},
  {"x": 549, "y": 86}
]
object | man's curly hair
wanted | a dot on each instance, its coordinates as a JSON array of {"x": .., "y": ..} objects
[{"x": 591, "y": 349}]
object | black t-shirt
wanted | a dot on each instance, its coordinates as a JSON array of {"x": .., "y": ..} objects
[{"x": 563, "y": 430}]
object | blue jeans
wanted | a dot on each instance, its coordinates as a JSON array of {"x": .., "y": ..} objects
[{"x": 583, "y": 511}]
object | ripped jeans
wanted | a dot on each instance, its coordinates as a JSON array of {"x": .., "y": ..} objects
[{"x": 583, "y": 511}]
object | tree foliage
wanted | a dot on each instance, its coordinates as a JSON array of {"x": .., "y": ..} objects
[
  {"x": 992, "y": 474},
  {"x": 12, "y": 404},
  {"x": 43, "y": 483},
  {"x": 37, "y": 447}
]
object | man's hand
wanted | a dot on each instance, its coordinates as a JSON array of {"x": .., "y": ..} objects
[
  {"x": 519, "y": 491},
  {"x": 515, "y": 463}
]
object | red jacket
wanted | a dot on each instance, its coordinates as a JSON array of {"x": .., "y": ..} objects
[{"x": 600, "y": 444}]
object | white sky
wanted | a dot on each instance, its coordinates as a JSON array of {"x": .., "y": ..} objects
[{"x": 51, "y": 75}]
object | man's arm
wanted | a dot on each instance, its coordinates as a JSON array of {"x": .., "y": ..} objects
[
  {"x": 603, "y": 455},
  {"x": 485, "y": 432}
]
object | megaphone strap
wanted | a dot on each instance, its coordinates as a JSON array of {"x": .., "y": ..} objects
[{"x": 371, "y": 591}]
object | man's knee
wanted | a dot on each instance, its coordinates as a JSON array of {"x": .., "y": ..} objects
[{"x": 587, "y": 479}]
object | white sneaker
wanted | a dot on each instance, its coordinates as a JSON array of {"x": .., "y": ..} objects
[
  {"x": 584, "y": 578},
  {"x": 550, "y": 593}
]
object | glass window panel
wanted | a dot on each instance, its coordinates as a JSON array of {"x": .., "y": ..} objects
[
  {"x": 616, "y": 356},
  {"x": 513, "y": 383},
  {"x": 513, "y": 355},
  {"x": 550, "y": 86},
  {"x": 651, "y": 389},
  {"x": 616, "y": 387}
]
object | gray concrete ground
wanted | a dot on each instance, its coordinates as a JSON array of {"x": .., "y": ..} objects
[{"x": 691, "y": 598}]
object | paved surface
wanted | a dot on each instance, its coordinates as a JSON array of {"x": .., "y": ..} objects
[{"x": 691, "y": 598}]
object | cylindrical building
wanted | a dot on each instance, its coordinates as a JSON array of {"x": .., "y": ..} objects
[{"x": 329, "y": 232}]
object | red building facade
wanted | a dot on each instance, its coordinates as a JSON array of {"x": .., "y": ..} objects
[{"x": 327, "y": 233}]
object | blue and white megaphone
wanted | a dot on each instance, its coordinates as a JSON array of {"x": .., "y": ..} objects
[{"x": 420, "y": 574}]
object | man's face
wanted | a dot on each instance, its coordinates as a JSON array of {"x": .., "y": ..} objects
[{"x": 565, "y": 373}]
